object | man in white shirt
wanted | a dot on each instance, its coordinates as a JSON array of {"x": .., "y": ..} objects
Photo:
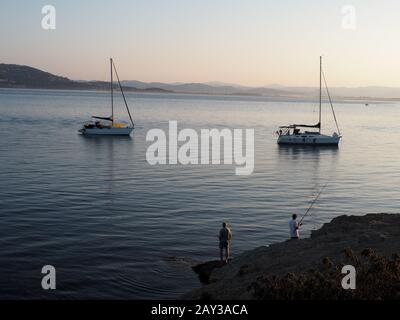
[{"x": 294, "y": 228}]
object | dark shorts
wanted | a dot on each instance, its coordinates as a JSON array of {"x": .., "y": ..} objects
[{"x": 223, "y": 245}]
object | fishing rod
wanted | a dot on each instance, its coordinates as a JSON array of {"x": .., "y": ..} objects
[{"x": 312, "y": 203}]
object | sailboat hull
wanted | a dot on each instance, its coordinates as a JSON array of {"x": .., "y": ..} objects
[
  {"x": 106, "y": 131},
  {"x": 309, "y": 140}
]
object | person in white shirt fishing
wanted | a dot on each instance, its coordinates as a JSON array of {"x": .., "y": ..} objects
[{"x": 294, "y": 227}]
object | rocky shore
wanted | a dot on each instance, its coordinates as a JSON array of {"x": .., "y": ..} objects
[{"x": 311, "y": 268}]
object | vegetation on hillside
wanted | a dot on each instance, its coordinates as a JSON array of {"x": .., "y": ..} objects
[{"x": 378, "y": 278}]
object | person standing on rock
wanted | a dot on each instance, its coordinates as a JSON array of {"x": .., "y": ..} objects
[
  {"x": 294, "y": 227},
  {"x": 225, "y": 237}
]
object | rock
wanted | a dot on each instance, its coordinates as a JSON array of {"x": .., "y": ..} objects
[
  {"x": 342, "y": 240},
  {"x": 204, "y": 270}
]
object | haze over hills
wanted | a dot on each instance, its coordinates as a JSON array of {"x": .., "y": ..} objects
[
  {"x": 208, "y": 88},
  {"x": 274, "y": 90},
  {"x": 17, "y": 76}
]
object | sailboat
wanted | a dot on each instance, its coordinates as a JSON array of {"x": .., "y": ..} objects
[
  {"x": 293, "y": 135},
  {"x": 107, "y": 126}
]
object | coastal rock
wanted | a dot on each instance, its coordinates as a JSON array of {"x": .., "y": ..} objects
[
  {"x": 345, "y": 240},
  {"x": 204, "y": 270}
]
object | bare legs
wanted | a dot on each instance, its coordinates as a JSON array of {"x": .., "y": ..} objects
[{"x": 221, "y": 252}]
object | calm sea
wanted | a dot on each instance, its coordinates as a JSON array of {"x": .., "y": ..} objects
[{"x": 116, "y": 227}]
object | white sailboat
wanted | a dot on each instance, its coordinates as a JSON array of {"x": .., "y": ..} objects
[
  {"x": 293, "y": 135},
  {"x": 106, "y": 126}
]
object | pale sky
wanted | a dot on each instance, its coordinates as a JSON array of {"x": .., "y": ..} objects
[{"x": 249, "y": 42}]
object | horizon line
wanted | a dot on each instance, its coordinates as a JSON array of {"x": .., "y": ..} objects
[{"x": 213, "y": 83}]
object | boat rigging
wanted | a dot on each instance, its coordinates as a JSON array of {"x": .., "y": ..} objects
[
  {"x": 292, "y": 135},
  {"x": 107, "y": 126}
]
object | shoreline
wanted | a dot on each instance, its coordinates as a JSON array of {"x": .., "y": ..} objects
[
  {"x": 276, "y": 98},
  {"x": 343, "y": 241}
]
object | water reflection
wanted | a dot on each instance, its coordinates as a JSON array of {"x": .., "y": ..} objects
[
  {"x": 306, "y": 152},
  {"x": 105, "y": 152},
  {"x": 317, "y": 165}
]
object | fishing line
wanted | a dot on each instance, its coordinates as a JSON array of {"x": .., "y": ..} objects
[{"x": 313, "y": 203}]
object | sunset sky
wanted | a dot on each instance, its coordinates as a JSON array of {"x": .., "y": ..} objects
[{"x": 252, "y": 42}]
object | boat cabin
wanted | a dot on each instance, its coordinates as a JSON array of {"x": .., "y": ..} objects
[{"x": 295, "y": 130}]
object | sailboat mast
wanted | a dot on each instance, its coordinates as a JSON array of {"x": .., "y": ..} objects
[
  {"x": 112, "y": 92},
  {"x": 320, "y": 93}
]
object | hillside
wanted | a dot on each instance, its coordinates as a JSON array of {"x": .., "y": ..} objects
[
  {"x": 18, "y": 76},
  {"x": 211, "y": 88},
  {"x": 12, "y": 76}
]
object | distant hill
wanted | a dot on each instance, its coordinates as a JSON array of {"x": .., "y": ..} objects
[
  {"x": 12, "y": 75},
  {"x": 275, "y": 90},
  {"x": 209, "y": 88},
  {"x": 18, "y": 76}
]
